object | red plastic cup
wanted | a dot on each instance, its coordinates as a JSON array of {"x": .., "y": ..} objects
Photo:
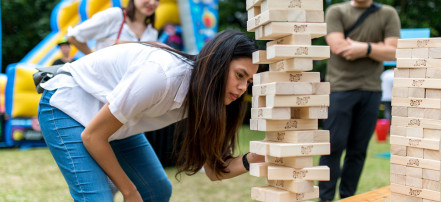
[{"x": 382, "y": 129}]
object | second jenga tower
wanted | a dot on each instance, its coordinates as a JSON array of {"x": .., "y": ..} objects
[
  {"x": 415, "y": 138},
  {"x": 288, "y": 101}
]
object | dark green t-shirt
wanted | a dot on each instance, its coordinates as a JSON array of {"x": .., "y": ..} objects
[{"x": 364, "y": 73}]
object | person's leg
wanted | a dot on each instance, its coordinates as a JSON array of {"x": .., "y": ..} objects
[
  {"x": 86, "y": 180},
  {"x": 338, "y": 122},
  {"x": 363, "y": 126},
  {"x": 387, "y": 110},
  {"x": 139, "y": 161}
]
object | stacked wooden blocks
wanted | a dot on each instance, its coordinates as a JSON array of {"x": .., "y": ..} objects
[
  {"x": 416, "y": 122},
  {"x": 288, "y": 101}
]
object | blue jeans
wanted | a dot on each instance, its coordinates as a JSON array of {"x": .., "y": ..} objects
[{"x": 86, "y": 180}]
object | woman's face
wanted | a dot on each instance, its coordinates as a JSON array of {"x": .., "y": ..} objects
[
  {"x": 239, "y": 76},
  {"x": 146, "y": 7}
]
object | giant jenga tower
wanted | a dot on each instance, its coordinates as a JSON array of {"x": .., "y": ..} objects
[
  {"x": 416, "y": 122},
  {"x": 288, "y": 101}
]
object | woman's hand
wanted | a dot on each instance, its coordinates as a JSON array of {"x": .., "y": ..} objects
[{"x": 255, "y": 158}]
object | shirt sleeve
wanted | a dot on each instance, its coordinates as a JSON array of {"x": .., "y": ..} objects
[
  {"x": 393, "y": 23},
  {"x": 333, "y": 20},
  {"x": 99, "y": 26},
  {"x": 140, "y": 88}
]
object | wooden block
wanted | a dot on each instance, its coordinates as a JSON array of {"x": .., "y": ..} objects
[
  {"x": 414, "y": 132},
  {"x": 416, "y": 72},
  {"x": 414, "y": 182},
  {"x": 398, "y": 179},
  {"x": 400, "y": 92},
  {"x": 258, "y": 193},
  {"x": 320, "y": 173},
  {"x": 402, "y": 53},
  {"x": 413, "y": 102},
  {"x": 415, "y": 162},
  {"x": 416, "y": 122},
  {"x": 433, "y": 93},
  {"x": 296, "y": 186},
  {"x": 296, "y": 64},
  {"x": 293, "y": 162},
  {"x": 431, "y": 185},
  {"x": 305, "y": 149},
  {"x": 419, "y": 43},
  {"x": 292, "y": 88},
  {"x": 418, "y": 63},
  {"x": 415, "y": 112},
  {"x": 309, "y": 113},
  {"x": 281, "y": 125},
  {"x": 398, "y": 150},
  {"x": 420, "y": 53},
  {"x": 415, "y": 142},
  {"x": 415, "y": 152},
  {"x": 432, "y": 154},
  {"x": 259, "y": 57},
  {"x": 259, "y": 169},
  {"x": 312, "y": 136},
  {"x": 252, "y": 3},
  {"x": 296, "y": 39},
  {"x": 398, "y": 130},
  {"x": 290, "y": 4},
  {"x": 399, "y": 111},
  {"x": 432, "y": 134},
  {"x": 432, "y": 114},
  {"x": 433, "y": 73},
  {"x": 259, "y": 147},
  {"x": 415, "y": 192},
  {"x": 284, "y": 15},
  {"x": 280, "y": 52},
  {"x": 417, "y": 92},
  {"x": 414, "y": 172},
  {"x": 435, "y": 53},
  {"x": 253, "y": 12},
  {"x": 431, "y": 174},
  {"x": 269, "y": 77},
  {"x": 272, "y": 194},
  {"x": 426, "y": 200},
  {"x": 404, "y": 198},
  {"x": 258, "y": 101},
  {"x": 277, "y": 30},
  {"x": 297, "y": 101},
  {"x": 398, "y": 72},
  {"x": 398, "y": 169},
  {"x": 271, "y": 113}
]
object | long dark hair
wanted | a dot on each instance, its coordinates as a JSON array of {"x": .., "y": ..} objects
[
  {"x": 211, "y": 126},
  {"x": 130, "y": 10}
]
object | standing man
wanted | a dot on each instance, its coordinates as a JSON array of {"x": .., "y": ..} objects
[{"x": 354, "y": 70}]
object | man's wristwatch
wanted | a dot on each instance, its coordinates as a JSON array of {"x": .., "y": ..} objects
[{"x": 369, "y": 49}]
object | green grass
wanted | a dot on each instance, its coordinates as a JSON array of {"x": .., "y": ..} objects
[{"x": 32, "y": 175}]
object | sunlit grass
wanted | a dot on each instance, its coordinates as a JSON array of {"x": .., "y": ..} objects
[{"x": 32, "y": 175}]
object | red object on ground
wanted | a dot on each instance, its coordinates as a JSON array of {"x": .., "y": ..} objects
[{"x": 382, "y": 129}]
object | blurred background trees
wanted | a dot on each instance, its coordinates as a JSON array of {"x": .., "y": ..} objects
[{"x": 26, "y": 22}]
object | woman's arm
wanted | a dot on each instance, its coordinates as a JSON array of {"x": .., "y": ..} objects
[
  {"x": 79, "y": 45},
  {"x": 235, "y": 167},
  {"x": 95, "y": 138}
]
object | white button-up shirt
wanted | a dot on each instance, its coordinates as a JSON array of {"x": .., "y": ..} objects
[
  {"x": 144, "y": 86},
  {"x": 104, "y": 27}
]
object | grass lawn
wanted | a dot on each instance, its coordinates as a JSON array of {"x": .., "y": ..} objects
[{"x": 32, "y": 175}]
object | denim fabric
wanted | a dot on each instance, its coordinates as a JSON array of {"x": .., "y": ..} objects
[
  {"x": 352, "y": 116},
  {"x": 86, "y": 180}
]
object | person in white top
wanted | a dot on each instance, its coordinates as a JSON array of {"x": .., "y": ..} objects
[
  {"x": 107, "y": 25},
  {"x": 387, "y": 83},
  {"x": 92, "y": 118}
]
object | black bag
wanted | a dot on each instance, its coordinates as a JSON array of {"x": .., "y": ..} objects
[{"x": 44, "y": 74}]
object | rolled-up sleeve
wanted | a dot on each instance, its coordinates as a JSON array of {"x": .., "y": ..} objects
[
  {"x": 140, "y": 88},
  {"x": 100, "y": 26}
]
